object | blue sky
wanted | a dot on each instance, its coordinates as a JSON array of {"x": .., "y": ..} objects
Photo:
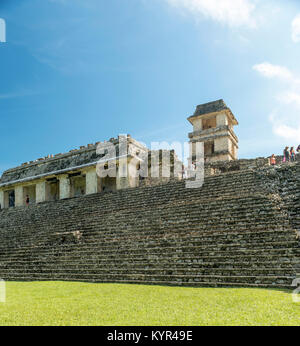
[{"x": 74, "y": 72}]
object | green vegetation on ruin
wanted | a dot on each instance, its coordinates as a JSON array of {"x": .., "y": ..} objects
[{"x": 68, "y": 303}]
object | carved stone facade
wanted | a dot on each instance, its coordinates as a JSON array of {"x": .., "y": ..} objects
[
  {"x": 71, "y": 174},
  {"x": 77, "y": 173}
]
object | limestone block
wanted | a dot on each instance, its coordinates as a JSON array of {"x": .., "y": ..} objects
[
  {"x": 222, "y": 144},
  {"x": 2, "y": 199},
  {"x": 133, "y": 174},
  {"x": 197, "y": 124},
  {"x": 122, "y": 174},
  {"x": 92, "y": 182},
  {"x": 217, "y": 158},
  {"x": 19, "y": 196},
  {"x": 41, "y": 192},
  {"x": 222, "y": 119},
  {"x": 64, "y": 187},
  {"x": 6, "y": 200}
]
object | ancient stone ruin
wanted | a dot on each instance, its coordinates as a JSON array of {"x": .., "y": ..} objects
[
  {"x": 238, "y": 229},
  {"x": 213, "y": 124}
]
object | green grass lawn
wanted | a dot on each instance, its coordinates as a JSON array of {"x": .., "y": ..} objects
[{"x": 68, "y": 303}]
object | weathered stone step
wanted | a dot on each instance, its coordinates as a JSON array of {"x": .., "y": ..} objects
[
  {"x": 24, "y": 269},
  {"x": 265, "y": 280},
  {"x": 181, "y": 214},
  {"x": 188, "y": 237},
  {"x": 165, "y": 265},
  {"x": 177, "y": 231},
  {"x": 183, "y": 255},
  {"x": 170, "y": 283},
  {"x": 158, "y": 247},
  {"x": 138, "y": 226}
]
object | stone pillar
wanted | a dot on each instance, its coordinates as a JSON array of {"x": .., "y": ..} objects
[
  {"x": 222, "y": 119},
  {"x": 64, "y": 186},
  {"x": 6, "y": 200},
  {"x": 92, "y": 181},
  {"x": 133, "y": 179},
  {"x": 2, "y": 199},
  {"x": 122, "y": 174},
  {"x": 41, "y": 192},
  {"x": 19, "y": 196},
  {"x": 198, "y": 125}
]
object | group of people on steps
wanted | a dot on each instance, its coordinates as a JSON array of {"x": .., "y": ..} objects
[{"x": 289, "y": 155}]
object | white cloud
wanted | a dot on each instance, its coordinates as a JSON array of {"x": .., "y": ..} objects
[
  {"x": 285, "y": 118},
  {"x": 231, "y": 12},
  {"x": 290, "y": 97},
  {"x": 285, "y": 129},
  {"x": 296, "y": 29},
  {"x": 275, "y": 71},
  {"x": 291, "y": 134}
]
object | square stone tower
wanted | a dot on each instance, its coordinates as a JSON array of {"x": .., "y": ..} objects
[{"x": 213, "y": 124}]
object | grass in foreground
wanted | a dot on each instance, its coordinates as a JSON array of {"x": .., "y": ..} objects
[{"x": 68, "y": 303}]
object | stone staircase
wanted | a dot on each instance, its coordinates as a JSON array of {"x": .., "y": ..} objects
[{"x": 237, "y": 230}]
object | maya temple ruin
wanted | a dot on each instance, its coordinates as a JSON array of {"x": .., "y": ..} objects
[{"x": 62, "y": 220}]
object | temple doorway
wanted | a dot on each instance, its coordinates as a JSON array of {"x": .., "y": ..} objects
[
  {"x": 78, "y": 184},
  {"x": 53, "y": 189},
  {"x": 209, "y": 148},
  {"x": 30, "y": 191},
  {"x": 108, "y": 184},
  {"x": 9, "y": 199}
]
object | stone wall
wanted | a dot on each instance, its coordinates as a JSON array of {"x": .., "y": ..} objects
[
  {"x": 213, "y": 168},
  {"x": 220, "y": 167},
  {"x": 237, "y": 230}
]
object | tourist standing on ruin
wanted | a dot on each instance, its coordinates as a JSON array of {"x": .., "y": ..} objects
[
  {"x": 273, "y": 160},
  {"x": 292, "y": 154},
  {"x": 27, "y": 200},
  {"x": 286, "y": 155}
]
